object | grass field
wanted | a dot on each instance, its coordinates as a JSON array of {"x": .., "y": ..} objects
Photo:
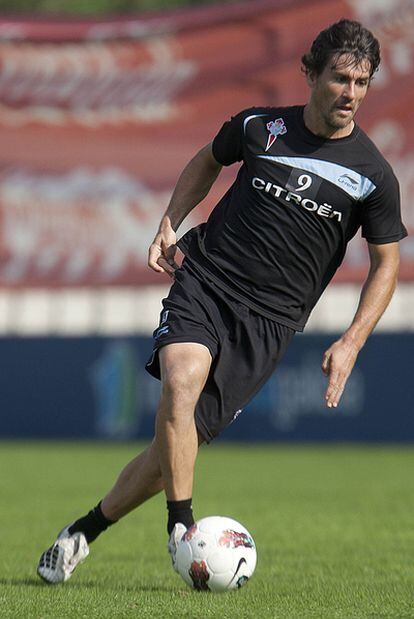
[{"x": 333, "y": 526}]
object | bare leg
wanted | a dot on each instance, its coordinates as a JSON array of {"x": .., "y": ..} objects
[
  {"x": 168, "y": 463},
  {"x": 184, "y": 371},
  {"x": 139, "y": 480}
]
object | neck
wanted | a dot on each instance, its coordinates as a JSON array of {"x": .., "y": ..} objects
[{"x": 316, "y": 125}]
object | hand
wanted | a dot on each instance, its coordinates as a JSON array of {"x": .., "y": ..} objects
[
  {"x": 337, "y": 364},
  {"x": 161, "y": 254}
]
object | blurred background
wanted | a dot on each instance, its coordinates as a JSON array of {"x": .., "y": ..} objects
[{"x": 101, "y": 105}]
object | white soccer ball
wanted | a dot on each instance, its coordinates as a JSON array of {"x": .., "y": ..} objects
[{"x": 216, "y": 554}]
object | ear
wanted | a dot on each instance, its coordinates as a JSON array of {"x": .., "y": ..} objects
[{"x": 311, "y": 79}]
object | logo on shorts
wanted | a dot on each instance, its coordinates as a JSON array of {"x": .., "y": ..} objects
[
  {"x": 163, "y": 328},
  {"x": 275, "y": 128},
  {"x": 161, "y": 331},
  {"x": 236, "y": 414}
]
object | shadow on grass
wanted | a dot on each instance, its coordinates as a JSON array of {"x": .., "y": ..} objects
[{"x": 86, "y": 584}]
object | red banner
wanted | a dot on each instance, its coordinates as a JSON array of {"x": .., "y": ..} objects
[{"x": 98, "y": 119}]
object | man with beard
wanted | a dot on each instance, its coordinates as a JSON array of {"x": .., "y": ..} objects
[{"x": 253, "y": 272}]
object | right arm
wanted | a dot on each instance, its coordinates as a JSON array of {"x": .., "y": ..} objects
[{"x": 192, "y": 187}]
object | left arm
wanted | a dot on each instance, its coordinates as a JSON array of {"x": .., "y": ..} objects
[{"x": 376, "y": 294}]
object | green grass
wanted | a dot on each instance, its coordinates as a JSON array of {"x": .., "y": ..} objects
[
  {"x": 333, "y": 525},
  {"x": 96, "y": 7}
]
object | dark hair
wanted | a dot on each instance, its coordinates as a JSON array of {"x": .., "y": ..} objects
[{"x": 344, "y": 37}]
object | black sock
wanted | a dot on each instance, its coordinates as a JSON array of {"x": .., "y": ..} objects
[
  {"x": 179, "y": 511},
  {"x": 91, "y": 525}
]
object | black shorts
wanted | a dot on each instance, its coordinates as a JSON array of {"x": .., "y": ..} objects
[{"x": 245, "y": 346}]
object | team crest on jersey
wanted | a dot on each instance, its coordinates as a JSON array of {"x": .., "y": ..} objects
[{"x": 275, "y": 128}]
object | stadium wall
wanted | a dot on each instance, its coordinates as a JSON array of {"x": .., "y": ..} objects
[
  {"x": 98, "y": 117},
  {"x": 97, "y": 388}
]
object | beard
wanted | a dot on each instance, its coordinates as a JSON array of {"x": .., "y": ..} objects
[{"x": 334, "y": 121}]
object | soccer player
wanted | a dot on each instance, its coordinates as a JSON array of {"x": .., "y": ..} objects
[{"x": 253, "y": 272}]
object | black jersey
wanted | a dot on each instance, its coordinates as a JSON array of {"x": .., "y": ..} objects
[{"x": 278, "y": 235}]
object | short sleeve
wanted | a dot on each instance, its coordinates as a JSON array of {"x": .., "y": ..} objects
[
  {"x": 228, "y": 143},
  {"x": 381, "y": 214}
]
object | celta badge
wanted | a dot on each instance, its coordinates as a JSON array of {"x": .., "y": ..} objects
[{"x": 275, "y": 128}]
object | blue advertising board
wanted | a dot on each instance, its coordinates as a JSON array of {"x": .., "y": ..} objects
[{"x": 97, "y": 387}]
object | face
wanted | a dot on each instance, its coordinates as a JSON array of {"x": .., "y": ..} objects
[{"x": 336, "y": 95}]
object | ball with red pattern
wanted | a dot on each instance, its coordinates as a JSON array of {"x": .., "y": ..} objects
[{"x": 216, "y": 554}]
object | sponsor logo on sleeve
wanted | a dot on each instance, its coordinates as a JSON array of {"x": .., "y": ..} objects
[{"x": 349, "y": 182}]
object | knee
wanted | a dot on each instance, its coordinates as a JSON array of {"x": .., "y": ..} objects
[{"x": 182, "y": 386}]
